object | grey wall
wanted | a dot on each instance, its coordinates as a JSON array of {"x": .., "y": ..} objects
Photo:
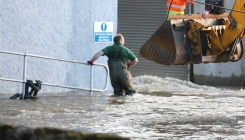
[
  {"x": 54, "y": 28},
  {"x": 219, "y": 74}
]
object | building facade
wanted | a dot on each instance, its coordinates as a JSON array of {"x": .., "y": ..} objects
[{"x": 61, "y": 29}]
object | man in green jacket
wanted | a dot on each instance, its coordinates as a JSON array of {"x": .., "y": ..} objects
[{"x": 118, "y": 56}]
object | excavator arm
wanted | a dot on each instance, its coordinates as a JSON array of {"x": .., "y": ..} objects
[{"x": 185, "y": 39}]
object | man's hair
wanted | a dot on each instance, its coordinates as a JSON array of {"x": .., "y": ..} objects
[{"x": 118, "y": 37}]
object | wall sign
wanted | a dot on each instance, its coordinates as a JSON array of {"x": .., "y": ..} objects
[{"x": 103, "y": 32}]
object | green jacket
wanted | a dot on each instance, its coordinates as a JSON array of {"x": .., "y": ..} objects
[{"x": 125, "y": 52}]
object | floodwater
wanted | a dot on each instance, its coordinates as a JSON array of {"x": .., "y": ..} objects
[{"x": 163, "y": 108}]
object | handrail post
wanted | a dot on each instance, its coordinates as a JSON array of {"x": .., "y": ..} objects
[
  {"x": 91, "y": 80},
  {"x": 24, "y": 76}
]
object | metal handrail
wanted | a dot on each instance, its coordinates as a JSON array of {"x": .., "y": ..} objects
[{"x": 55, "y": 85}]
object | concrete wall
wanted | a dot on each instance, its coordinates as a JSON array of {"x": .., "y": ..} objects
[
  {"x": 219, "y": 74},
  {"x": 54, "y": 28}
]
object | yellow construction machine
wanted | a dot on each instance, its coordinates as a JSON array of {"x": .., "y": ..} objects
[{"x": 192, "y": 39}]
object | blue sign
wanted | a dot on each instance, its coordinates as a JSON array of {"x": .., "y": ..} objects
[{"x": 103, "y": 32}]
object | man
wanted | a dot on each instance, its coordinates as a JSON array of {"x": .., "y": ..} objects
[
  {"x": 118, "y": 55},
  {"x": 177, "y": 7},
  {"x": 211, "y": 9}
]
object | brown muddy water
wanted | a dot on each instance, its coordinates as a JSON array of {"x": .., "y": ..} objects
[{"x": 163, "y": 108}]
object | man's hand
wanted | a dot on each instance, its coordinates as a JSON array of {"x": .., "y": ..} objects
[
  {"x": 132, "y": 63},
  {"x": 205, "y": 14},
  {"x": 90, "y": 62}
]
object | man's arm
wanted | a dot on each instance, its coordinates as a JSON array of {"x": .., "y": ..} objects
[
  {"x": 208, "y": 7},
  {"x": 132, "y": 63},
  {"x": 95, "y": 57},
  {"x": 132, "y": 58}
]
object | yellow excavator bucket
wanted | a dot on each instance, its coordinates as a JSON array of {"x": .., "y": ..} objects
[
  {"x": 191, "y": 39},
  {"x": 166, "y": 45}
]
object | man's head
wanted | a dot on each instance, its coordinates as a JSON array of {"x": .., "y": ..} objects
[{"x": 119, "y": 38}]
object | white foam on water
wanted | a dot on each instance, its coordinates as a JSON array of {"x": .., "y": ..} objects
[
  {"x": 154, "y": 83},
  {"x": 162, "y": 108}
]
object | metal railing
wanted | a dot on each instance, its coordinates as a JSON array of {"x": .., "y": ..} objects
[{"x": 25, "y": 55}]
